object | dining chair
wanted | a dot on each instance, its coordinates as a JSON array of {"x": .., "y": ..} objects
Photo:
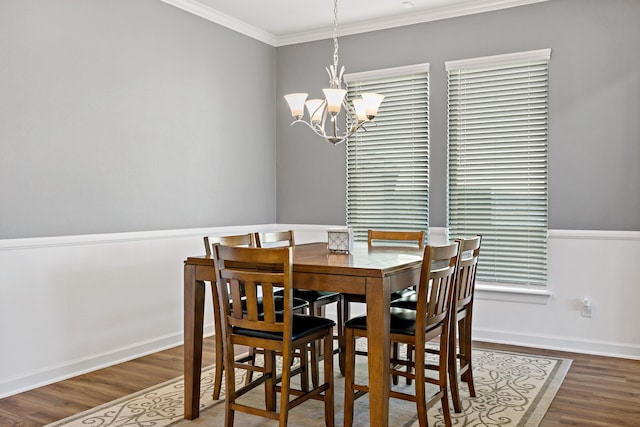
[
  {"x": 387, "y": 238},
  {"x": 460, "y": 364},
  {"x": 318, "y": 300},
  {"x": 259, "y": 271},
  {"x": 240, "y": 240},
  {"x": 429, "y": 321}
]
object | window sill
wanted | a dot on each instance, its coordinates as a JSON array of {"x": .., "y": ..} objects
[{"x": 493, "y": 292}]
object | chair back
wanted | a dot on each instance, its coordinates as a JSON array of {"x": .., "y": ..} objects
[
  {"x": 243, "y": 240},
  {"x": 394, "y": 237},
  {"x": 468, "y": 253},
  {"x": 437, "y": 282},
  {"x": 245, "y": 274},
  {"x": 274, "y": 239}
]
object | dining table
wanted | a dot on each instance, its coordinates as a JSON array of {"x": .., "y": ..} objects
[{"x": 374, "y": 272}]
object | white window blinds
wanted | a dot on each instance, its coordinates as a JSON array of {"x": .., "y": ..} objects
[
  {"x": 388, "y": 164},
  {"x": 497, "y": 149}
]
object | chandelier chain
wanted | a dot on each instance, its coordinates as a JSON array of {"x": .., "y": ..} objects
[{"x": 335, "y": 34}]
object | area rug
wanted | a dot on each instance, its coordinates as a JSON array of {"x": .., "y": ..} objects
[{"x": 512, "y": 389}]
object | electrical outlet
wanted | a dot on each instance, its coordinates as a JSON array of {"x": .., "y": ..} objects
[{"x": 587, "y": 308}]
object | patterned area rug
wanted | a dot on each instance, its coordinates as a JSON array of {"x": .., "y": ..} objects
[{"x": 511, "y": 390}]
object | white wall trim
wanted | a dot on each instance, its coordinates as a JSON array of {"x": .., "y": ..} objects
[
  {"x": 595, "y": 234},
  {"x": 559, "y": 343},
  {"x": 59, "y": 372},
  {"x": 92, "y": 239},
  {"x": 529, "y": 295}
]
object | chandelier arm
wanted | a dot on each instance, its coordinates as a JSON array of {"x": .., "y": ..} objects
[{"x": 316, "y": 129}]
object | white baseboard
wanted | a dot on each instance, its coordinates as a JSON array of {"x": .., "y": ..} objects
[
  {"x": 568, "y": 344},
  {"x": 82, "y": 366}
]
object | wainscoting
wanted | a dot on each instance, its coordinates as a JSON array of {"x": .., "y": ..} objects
[{"x": 74, "y": 304}]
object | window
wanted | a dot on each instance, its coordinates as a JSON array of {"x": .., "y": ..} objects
[
  {"x": 388, "y": 163},
  {"x": 497, "y": 148}
]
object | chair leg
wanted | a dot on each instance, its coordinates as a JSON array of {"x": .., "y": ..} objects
[
  {"x": 252, "y": 358},
  {"x": 230, "y": 382},
  {"x": 315, "y": 349},
  {"x": 270, "y": 383},
  {"x": 453, "y": 368},
  {"x": 285, "y": 386},
  {"x": 394, "y": 356},
  {"x": 304, "y": 363},
  {"x": 349, "y": 375},
  {"x": 421, "y": 396},
  {"x": 443, "y": 378},
  {"x": 217, "y": 382},
  {"x": 410, "y": 351},
  {"x": 329, "y": 415},
  {"x": 465, "y": 342},
  {"x": 341, "y": 321},
  {"x": 217, "y": 330}
]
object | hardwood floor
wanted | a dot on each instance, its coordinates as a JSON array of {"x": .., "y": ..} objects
[{"x": 597, "y": 391}]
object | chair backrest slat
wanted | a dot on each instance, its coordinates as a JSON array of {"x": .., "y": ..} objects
[
  {"x": 275, "y": 239},
  {"x": 415, "y": 238},
  {"x": 238, "y": 240}
]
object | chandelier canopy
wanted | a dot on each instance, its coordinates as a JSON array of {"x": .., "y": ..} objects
[{"x": 363, "y": 110}]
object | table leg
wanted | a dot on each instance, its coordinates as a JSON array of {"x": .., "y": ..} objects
[
  {"x": 194, "y": 292},
  {"x": 377, "y": 297}
]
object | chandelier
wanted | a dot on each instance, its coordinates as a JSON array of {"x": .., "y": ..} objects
[{"x": 363, "y": 110}]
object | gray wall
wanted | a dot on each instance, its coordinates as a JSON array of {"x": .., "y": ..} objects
[
  {"x": 121, "y": 115},
  {"x": 594, "y": 120},
  {"x": 131, "y": 115}
]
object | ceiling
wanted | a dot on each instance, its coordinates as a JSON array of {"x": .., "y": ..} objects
[{"x": 282, "y": 22}]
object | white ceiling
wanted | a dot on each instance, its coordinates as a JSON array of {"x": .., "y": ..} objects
[{"x": 282, "y": 22}]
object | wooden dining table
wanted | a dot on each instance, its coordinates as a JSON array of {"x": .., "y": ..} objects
[{"x": 374, "y": 272}]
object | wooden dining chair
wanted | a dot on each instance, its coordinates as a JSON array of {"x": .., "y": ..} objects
[
  {"x": 460, "y": 337},
  {"x": 460, "y": 364},
  {"x": 245, "y": 240},
  {"x": 430, "y": 321},
  {"x": 240, "y": 240},
  {"x": 387, "y": 238},
  {"x": 318, "y": 300},
  {"x": 411, "y": 239},
  {"x": 260, "y": 271}
]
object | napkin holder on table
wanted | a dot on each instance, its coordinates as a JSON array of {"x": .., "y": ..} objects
[{"x": 340, "y": 240}]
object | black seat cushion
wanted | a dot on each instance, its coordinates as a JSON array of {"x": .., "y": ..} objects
[
  {"x": 401, "y": 321},
  {"x": 302, "y": 326},
  {"x": 312, "y": 296},
  {"x": 408, "y": 301}
]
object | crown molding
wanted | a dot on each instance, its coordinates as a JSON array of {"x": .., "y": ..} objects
[
  {"x": 445, "y": 12},
  {"x": 468, "y": 8},
  {"x": 210, "y": 14}
]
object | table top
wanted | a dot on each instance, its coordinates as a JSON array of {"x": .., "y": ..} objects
[{"x": 361, "y": 261}]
